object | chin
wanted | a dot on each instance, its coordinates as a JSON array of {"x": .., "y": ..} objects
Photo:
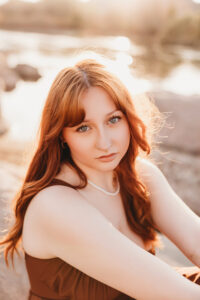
[{"x": 108, "y": 166}]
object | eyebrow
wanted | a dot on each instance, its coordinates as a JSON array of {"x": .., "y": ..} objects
[{"x": 110, "y": 113}]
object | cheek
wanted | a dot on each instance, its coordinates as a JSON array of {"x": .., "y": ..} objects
[
  {"x": 81, "y": 146},
  {"x": 78, "y": 145},
  {"x": 124, "y": 136}
]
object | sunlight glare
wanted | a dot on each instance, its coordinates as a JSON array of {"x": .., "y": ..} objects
[
  {"x": 3, "y": 2},
  {"x": 122, "y": 43},
  {"x": 124, "y": 58},
  {"x": 31, "y": 1}
]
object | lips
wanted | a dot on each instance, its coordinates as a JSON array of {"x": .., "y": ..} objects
[{"x": 106, "y": 156}]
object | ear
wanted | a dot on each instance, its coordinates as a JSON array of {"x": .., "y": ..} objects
[{"x": 63, "y": 134}]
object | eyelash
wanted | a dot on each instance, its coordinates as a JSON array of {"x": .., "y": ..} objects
[{"x": 114, "y": 117}]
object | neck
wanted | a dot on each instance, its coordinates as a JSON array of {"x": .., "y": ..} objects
[
  {"x": 113, "y": 189},
  {"x": 116, "y": 192},
  {"x": 104, "y": 179},
  {"x": 107, "y": 181}
]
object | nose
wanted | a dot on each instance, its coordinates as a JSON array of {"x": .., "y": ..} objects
[{"x": 103, "y": 141}]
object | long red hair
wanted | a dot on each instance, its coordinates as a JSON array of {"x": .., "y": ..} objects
[{"x": 62, "y": 108}]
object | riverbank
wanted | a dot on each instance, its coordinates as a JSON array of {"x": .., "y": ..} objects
[{"x": 176, "y": 23}]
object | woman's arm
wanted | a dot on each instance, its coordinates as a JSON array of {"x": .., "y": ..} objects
[
  {"x": 79, "y": 234},
  {"x": 171, "y": 215}
]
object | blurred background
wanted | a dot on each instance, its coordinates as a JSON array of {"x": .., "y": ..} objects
[{"x": 159, "y": 40}]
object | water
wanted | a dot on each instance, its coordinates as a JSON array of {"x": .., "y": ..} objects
[{"x": 22, "y": 107}]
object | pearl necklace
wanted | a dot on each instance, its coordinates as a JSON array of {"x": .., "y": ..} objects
[{"x": 104, "y": 191}]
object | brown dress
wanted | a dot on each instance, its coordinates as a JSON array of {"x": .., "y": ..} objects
[{"x": 54, "y": 279}]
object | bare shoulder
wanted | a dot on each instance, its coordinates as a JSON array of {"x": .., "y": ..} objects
[
  {"x": 50, "y": 205},
  {"x": 52, "y": 202},
  {"x": 60, "y": 210},
  {"x": 151, "y": 176},
  {"x": 147, "y": 169},
  {"x": 54, "y": 195}
]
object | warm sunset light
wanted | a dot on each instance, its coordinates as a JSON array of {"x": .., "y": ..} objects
[
  {"x": 131, "y": 67},
  {"x": 3, "y": 2},
  {"x": 31, "y": 1}
]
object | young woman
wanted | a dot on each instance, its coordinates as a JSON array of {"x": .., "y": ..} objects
[{"x": 90, "y": 205}]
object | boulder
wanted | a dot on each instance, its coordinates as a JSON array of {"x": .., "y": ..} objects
[
  {"x": 14, "y": 283},
  {"x": 26, "y": 72},
  {"x": 3, "y": 125},
  {"x": 182, "y": 129},
  {"x": 182, "y": 172},
  {"x": 9, "y": 78}
]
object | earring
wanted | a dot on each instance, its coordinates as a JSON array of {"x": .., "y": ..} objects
[{"x": 63, "y": 144}]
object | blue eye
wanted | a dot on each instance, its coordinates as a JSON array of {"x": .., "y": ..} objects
[
  {"x": 115, "y": 118},
  {"x": 81, "y": 127}
]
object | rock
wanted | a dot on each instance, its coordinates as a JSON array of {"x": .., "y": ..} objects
[
  {"x": 9, "y": 78},
  {"x": 184, "y": 119},
  {"x": 3, "y": 126},
  {"x": 182, "y": 172},
  {"x": 14, "y": 283},
  {"x": 27, "y": 73}
]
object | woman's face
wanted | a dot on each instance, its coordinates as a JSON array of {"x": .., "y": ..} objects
[{"x": 104, "y": 130}]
